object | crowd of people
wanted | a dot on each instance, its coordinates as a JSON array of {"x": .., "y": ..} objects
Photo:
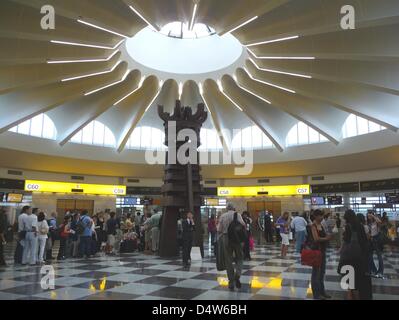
[
  {"x": 359, "y": 238},
  {"x": 79, "y": 234}
]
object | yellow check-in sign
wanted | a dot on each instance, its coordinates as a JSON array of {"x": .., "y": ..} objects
[
  {"x": 259, "y": 191},
  {"x": 74, "y": 188}
]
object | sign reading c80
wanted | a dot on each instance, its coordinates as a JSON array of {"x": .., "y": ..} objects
[{"x": 67, "y": 187}]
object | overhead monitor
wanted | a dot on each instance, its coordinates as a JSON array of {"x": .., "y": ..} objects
[
  {"x": 14, "y": 197},
  {"x": 318, "y": 201},
  {"x": 392, "y": 198},
  {"x": 334, "y": 200},
  {"x": 131, "y": 201}
]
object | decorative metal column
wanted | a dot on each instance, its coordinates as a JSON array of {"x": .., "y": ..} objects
[{"x": 182, "y": 189}]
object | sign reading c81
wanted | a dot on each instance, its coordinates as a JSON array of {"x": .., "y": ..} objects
[{"x": 67, "y": 187}]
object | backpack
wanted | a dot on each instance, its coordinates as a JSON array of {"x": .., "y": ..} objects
[
  {"x": 80, "y": 227},
  {"x": 236, "y": 231}
]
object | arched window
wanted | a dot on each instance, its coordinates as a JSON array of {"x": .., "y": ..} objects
[
  {"x": 147, "y": 138},
  {"x": 40, "y": 126},
  {"x": 301, "y": 134},
  {"x": 250, "y": 138},
  {"x": 95, "y": 133},
  {"x": 356, "y": 126}
]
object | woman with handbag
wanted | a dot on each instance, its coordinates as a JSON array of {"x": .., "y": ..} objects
[{"x": 320, "y": 241}]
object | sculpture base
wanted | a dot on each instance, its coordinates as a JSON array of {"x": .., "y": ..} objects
[{"x": 168, "y": 246}]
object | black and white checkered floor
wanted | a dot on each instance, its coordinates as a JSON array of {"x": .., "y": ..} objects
[{"x": 144, "y": 277}]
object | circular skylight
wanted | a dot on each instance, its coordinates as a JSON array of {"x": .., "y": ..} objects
[
  {"x": 182, "y": 30},
  {"x": 188, "y": 55}
]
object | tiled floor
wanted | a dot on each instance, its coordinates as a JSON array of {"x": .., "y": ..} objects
[{"x": 142, "y": 277}]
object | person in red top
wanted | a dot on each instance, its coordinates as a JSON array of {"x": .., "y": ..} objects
[
  {"x": 212, "y": 228},
  {"x": 65, "y": 231}
]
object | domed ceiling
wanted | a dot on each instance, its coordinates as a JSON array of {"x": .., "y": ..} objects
[{"x": 254, "y": 62}]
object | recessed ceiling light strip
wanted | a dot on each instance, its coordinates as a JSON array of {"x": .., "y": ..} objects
[
  {"x": 242, "y": 24},
  {"x": 86, "y": 45},
  {"x": 287, "y": 58},
  {"x": 220, "y": 86},
  {"x": 101, "y": 28},
  {"x": 280, "y": 72},
  {"x": 180, "y": 90},
  {"x": 193, "y": 17},
  {"x": 109, "y": 85},
  {"x": 280, "y": 58},
  {"x": 201, "y": 89},
  {"x": 272, "y": 41},
  {"x": 83, "y": 60},
  {"x": 152, "y": 101},
  {"x": 254, "y": 94},
  {"x": 93, "y": 74},
  {"x": 129, "y": 94},
  {"x": 144, "y": 19},
  {"x": 232, "y": 101},
  {"x": 268, "y": 83}
]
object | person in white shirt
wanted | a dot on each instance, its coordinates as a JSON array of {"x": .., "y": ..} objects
[
  {"x": 299, "y": 224},
  {"x": 231, "y": 251},
  {"x": 326, "y": 223},
  {"x": 27, "y": 223},
  {"x": 42, "y": 229}
]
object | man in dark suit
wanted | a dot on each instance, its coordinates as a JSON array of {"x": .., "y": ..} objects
[
  {"x": 187, "y": 238},
  {"x": 268, "y": 228}
]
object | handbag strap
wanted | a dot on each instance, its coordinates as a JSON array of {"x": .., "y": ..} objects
[{"x": 314, "y": 243}]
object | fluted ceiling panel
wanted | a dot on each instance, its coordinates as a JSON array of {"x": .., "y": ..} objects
[{"x": 298, "y": 64}]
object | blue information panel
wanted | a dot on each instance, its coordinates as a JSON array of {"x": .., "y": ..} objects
[{"x": 131, "y": 201}]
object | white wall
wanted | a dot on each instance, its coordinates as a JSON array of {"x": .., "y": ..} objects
[
  {"x": 331, "y": 178},
  {"x": 144, "y": 183},
  {"x": 60, "y": 177},
  {"x": 391, "y": 173}
]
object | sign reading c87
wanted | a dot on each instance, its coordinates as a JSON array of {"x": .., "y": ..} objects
[
  {"x": 67, "y": 187},
  {"x": 290, "y": 190}
]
